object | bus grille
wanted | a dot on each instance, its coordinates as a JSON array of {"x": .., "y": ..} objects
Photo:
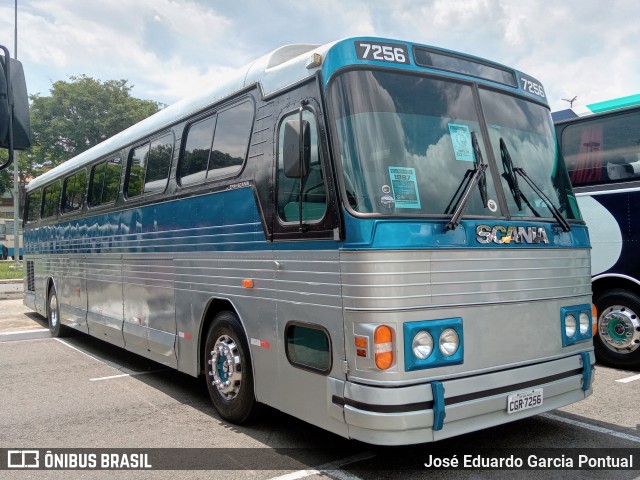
[{"x": 31, "y": 284}]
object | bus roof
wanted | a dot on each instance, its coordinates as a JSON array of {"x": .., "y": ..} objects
[
  {"x": 274, "y": 72},
  {"x": 593, "y": 108}
]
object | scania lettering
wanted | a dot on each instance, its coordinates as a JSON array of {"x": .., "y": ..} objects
[{"x": 512, "y": 233}]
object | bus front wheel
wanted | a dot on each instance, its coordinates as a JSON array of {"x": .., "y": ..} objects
[
  {"x": 53, "y": 313},
  {"x": 228, "y": 369},
  {"x": 618, "y": 341}
]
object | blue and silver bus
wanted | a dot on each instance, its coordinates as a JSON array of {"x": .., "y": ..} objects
[
  {"x": 375, "y": 236},
  {"x": 600, "y": 144}
]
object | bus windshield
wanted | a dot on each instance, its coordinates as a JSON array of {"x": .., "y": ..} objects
[
  {"x": 409, "y": 145},
  {"x": 523, "y": 143}
]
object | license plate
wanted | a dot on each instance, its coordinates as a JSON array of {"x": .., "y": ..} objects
[{"x": 524, "y": 400}]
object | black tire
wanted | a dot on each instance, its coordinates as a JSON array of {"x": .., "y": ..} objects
[
  {"x": 231, "y": 390},
  {"x": 53, "y": 313},
  {"x": 617, "y": 343}
]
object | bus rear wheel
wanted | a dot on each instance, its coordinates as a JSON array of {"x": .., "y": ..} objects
[
  {"x": 53, "y": 313},
  {"x": 618, "y": 341},
  {"x": 228, "y": 369}
]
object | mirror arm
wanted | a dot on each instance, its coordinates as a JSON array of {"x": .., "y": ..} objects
[{"x": 10, "y": 104}]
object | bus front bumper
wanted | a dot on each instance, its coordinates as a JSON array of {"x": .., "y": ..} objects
[{"x": 438, "y": 410}]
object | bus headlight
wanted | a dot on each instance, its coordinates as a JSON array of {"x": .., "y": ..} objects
[
  {"x": 449, "y": 342},
  {"x": 575, "y": 324},
  {"x": 433, "y": 343},
  {"x": 569, "y": 326},
  {"x": 585, "y": 323},
  {"x": 422, "y": 345}
]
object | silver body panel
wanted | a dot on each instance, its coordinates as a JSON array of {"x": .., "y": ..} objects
[{"x": 509, "y": 301}]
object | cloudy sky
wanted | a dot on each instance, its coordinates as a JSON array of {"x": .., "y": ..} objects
[{"x": 169, "y": 49}]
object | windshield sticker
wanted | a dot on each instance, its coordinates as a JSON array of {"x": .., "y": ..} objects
[
  {"x": 492, "y": 205},
  {"x": 405, "y": 187},
  {"x": 387, "y": 201},
  {"x": 461, "y": 140}
]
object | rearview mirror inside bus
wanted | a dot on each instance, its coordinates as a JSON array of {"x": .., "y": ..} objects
[
  {"x": 296, "y": 149},
  {"x": 17, "y": 95}
]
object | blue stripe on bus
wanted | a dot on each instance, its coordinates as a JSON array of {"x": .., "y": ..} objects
[
  {"x": 412, "y": 233},
  {"x": 230, "y": 221}
]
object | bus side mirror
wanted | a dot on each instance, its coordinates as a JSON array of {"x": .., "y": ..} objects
[
  {"x": 296, "y": 149},
  {"x": 13, "y": 100}
]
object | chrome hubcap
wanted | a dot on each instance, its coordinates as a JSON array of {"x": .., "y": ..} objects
[
  {"x": 53, "y": 310},
  {"x": 226, "y": 367},
  {"x": 619, "y": 328}
]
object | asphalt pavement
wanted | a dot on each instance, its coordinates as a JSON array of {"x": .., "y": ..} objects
[{"x": 79, "y": 392}]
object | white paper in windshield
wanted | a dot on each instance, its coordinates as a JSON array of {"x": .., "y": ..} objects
[
  {"x": 461, "y": 140},
  {"x": 405, "y": 187}
]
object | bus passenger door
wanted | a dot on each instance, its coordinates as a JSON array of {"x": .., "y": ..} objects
[{"x": 309, "y": 303}]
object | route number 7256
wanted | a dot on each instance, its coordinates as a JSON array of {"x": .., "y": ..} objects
[{"x": 384, "y": 52}]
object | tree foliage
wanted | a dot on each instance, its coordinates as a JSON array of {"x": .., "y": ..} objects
[
  {"x": 76, "y": 116},
  {"x": 6, "y": 180}
]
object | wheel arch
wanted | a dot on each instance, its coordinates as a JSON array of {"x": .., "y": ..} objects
[
  {"x": 603, "y": 283},
  {"x": 215, "y": 306}
]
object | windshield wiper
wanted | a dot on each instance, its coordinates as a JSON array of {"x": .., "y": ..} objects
[
  {"x": 510, "y": 170},
  {"x": 509, "y": 175},
  {"x": 512, "y": 180},
  {"x": 556, "y": 213},
  {"x": 478, "y": 178}
]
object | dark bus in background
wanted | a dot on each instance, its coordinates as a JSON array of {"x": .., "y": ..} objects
[{"x": 600, "y": 144}]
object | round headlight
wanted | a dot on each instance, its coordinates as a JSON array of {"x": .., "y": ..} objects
[
  {"x": 422, "y": 345},
  {"x": 449, "y": 342},
  {"x": 585, "y": 323},
  {"x": 570, "y": 325}
]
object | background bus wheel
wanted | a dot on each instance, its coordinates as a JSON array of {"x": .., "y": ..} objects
[
  {"x": 53, "y": 313},
  {"x": 618, "y": 341},
  {"x": 228, "y": 369}
]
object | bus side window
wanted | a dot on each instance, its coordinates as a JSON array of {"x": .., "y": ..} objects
[
  {"x": 105, "y": 182},
  {"x": 137, "y": 166},
  {"x": 195, "y": 158},
  {"x": 34, "y": 202},
  {"x": 602, "y": 150},
  {"x": 73, "y": 192},
  {"x": 230, "y": 141},
  {"x": 314, "y": 193},
  {"x": 157, "y": 174},
  {"x": 51, "y": 200},
  {"x": 149, "y": 167}
]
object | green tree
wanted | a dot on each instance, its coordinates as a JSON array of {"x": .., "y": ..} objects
[
  {"x": 76, "y": 116},
  {"x": 6, "y": 181}
]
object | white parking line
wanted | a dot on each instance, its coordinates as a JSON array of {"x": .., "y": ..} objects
[
  {"x": 331, "y": 469},
  {"x": 133, "y": 374},
  {"x": 98, "y": 359},
  {"x": 26, "y": 340},
  {"x": 629, "y": 379},
  {"x": 593, "y": 428}
]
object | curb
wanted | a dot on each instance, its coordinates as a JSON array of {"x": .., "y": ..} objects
[
  {"x": 25, "y": 335},
  {"x": 9, "y": 287}
]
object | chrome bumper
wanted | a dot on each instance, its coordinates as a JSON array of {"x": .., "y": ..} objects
[{"x": 438, "y": 410}]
